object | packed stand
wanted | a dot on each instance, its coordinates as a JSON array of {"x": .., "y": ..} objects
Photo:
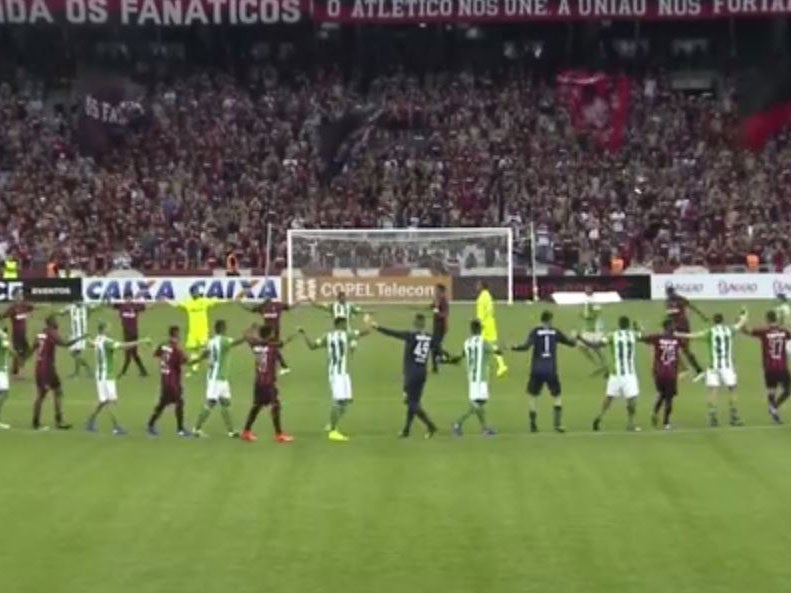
[{"x": 223, "y": 157}]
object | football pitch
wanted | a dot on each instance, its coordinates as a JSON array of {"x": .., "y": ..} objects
[{"x": 693, "y": 510}]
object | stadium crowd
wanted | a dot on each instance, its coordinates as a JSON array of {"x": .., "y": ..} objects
[{"x": 223, "y": 156}]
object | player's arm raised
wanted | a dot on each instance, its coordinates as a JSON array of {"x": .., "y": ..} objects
[
  {"x": 696, "y": 310},
  {"x": 742, "y": 321},
  {"x": 311, "y": 344},
  {"x": 525, "y": 346},
  {"x": 134, "y": 343},
  {"x": 393, "y": 333},
  {"x": 571, "y": 342}
]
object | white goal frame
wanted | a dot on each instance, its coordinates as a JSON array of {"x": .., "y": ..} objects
[{"x": 507, "y": 232}]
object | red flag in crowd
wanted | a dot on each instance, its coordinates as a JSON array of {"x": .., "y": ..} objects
[{"x": 598, "y": 104}]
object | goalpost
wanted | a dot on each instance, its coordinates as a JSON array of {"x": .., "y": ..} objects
[{"x": 397, "y": 266}]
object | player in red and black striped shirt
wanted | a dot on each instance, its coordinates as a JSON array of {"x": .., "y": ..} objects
[
  {"x": 676, "y": 308},
  {"x": 266, "y": 349},
  {"x": 667, "y": 348},
  {"x": 774, "y": 339},
  {"x": 271, "y": 312},
  {"x": 441, "y": 310}
]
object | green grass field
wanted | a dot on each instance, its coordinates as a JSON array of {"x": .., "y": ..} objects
[{"x": 693, "y": 510}]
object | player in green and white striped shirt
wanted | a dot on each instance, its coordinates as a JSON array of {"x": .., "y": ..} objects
[
  {"x": 721, "y": 371},
  {"x": 593, "y": 332},
  {"x": 105, "y": 348},
  {"x": 622, "y": 380},
  {"x": 338, "y": 343},
  {"x": 218, "y": 389},
  {"x": 340, "y": 309},
  {"x": 478, "y": 354},
  {"x": 5, "y": 358}
]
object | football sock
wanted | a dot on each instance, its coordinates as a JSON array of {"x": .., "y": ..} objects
[
  {"x": 3, "y": 398},
  {"x": 631, "y": 408},
  {"x": 463, "y": 418},
  {"x": 783, "y": 397},
  {"x": 771, "y": 399},
  {"x": 251, "y": 417},
  {"x": 668, "y": 411},
  {"x": 274, "y": 412},
  {"x": 225, "y": 411},
  {"x": 155, "y": 415},
  {"x": 533, "y": 417},
  {"x": 712, "y": 407},
  {"x": 557, "y": 412},
  {"x": 58, "y": 401},
  {"x": 480, "y": 412},
  {"x": 37, "y": 412},
  {"x": 734, "y": 413},
  {"x": 337, "y": 412},
  {"x": 180, "y": 416},
  {"x": 140, "y": 367},
  {"x": 500, "y": 362},
  {"x": 410, "y": 417},
  {"x": 421, "y": 413},
  {"x": 658, "y": 404},
  {"x": 203, "y": 416}
]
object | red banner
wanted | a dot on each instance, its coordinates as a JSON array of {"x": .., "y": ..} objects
[
  {"x": 598, "y": 105},
  {"x": 482, "y": 11},
  {"x": 185, "y": 13}
]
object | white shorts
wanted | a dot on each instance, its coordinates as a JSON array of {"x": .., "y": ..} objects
[
  {"x": 3, "y": 381},
  {"x": 77, "y": 346},
  {"x": 341, "y": 386},
  {"x": 720, "y": 378},
  {"x": 216, "y": 390},
  {"x": 105, "y": 388},
  {"x": 623, "y": 386},
  {"x": 479, "y": 392}
]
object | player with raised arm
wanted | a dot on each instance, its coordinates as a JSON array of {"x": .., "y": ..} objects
[
  {"x": 783, "y": 309},
  {"x": 667, "y": 350},
  {"x": 340, "y": 309},
  {"x": 418, "y": 347},
  {"x": 18, "y": 312},
  {"x": 129, "y": 313},
  {"x": 106, "y": 389},
  {"x": 774, "y": 355},
  {"x": 46, "y": 372},
  {"x": 171, "y": 359},
  {"x": 6, "y": 354},
  {"x": 484, "y": 311},
  {"x": 266, "y": 350},
  {"x": 721, "y": 372},
  {"x": 218, "y": 388},
  {"x": 477, "y": 354},
  {"x": 197, "y": 309},
  {"x": 676, "y": 309},
  {"x": 593, "y": 331},
  {"x": 271, "y": 312},
  {"x": 338, "y": 343},
  {"x": 78, "y": 322},
  {"x": 544, "y": 341},
  {"x": 622, "y": 380}
]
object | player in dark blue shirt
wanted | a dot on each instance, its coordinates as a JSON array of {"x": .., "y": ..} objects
[
  {"x": 544, "y": 341},
  {"x": 418, "y": 346}
]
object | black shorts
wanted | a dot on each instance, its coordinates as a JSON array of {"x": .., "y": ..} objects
[
  {"x": 776, "y": 379},
  {"x": 666, "y": 387},
  {"x": 413, "y": 389},
  {"x": 21, "y": 346},
  {"x": 537, "y": 381},
  {"x": 438, "y": 335},
  {"x": 169, "y": 395},
  {"x": 46, "y": 381},
  {"x": 265, "y": 395}
]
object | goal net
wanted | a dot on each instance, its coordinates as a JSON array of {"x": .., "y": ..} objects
[{"x": 398, "y": 265}]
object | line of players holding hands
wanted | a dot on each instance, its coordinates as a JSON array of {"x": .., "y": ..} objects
[{"x": 421, "y": 348}]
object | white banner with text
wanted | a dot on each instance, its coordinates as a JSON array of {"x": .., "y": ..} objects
[
  {"x": 250, "y": 288},
  {"x": 722, "y": 287}
]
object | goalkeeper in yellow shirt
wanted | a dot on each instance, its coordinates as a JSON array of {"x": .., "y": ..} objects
[
  {"x": 484, "y": 311},
  {"x": 197, "y": 309}
]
